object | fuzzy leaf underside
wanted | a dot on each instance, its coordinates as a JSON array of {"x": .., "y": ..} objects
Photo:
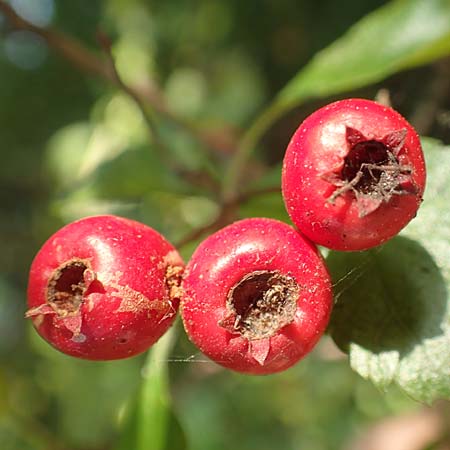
[{"x": 392, "y": 312}]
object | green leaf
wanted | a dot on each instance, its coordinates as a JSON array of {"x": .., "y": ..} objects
[
  {"x": 132, "y": 174},
  {"x": 392, "y": 311},
  {"x": 154, "y": 404},
  {"x": 268, "y": 205},
  {"x": 264, "y": 197},
  {"x": 97, "y": 391},
  {"x": 66, "y": 151},
  {"x": 152, "y": 424},
  {"x": 15, "y": 435},
  {"x": 432, "y": 225},
  {"x": 397, "y": 36},
  {"x": 400, "y": 35}
]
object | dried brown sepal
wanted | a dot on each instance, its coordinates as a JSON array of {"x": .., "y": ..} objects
[
  {"x": 39, "y": 310},
  {"x": 372, "y": 171},
  {"x": 65, "y": 294},
  {"x": 66, "y": 287},
  {"x": 260, "y": 304},
  {"x": 259, "y": 350},
  {"x": 173, "y": 278}
]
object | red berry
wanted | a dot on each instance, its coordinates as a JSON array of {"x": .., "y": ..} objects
[
  {"x": 256, "y": 296},
  {"x": 353, "y": 175},
  {"x": 104, "y": 288}
]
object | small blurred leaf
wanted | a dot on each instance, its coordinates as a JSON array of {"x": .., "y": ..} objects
[
  {"x": 84, "y": 202},
  {"x": 168, "y": 213},
  {"x": 134, "y": 50},
  {"x": 65, "y": 152},
  {"x": 132, "y": 174},
  {"x": 11, "y": 316},
  {"x": 197, "y": 211},
  {"x": 152, "y": 424},
  {"x": 118, "y": 186},
  {"x": 186, "y": 91},
  {"x": 75, "y": 152},
  {"x": 238, "y": 89},
  {"x": 397, "y": 36},
  {"x": 269, "y": 205},
  {"x": 128, "y": 439},
  {"x": 82, "y": 392},
  {"x": 184, "y": 148},
  {"x": 392, "y": 310},
  {"x": 269, "y": 179},
  {"x": 154, "y": 404},
  {"x": 266, "y": 200},
  {"x": 18, "y": 436}
]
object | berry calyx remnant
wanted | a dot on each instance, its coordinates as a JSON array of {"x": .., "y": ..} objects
[
  {"x": 372, "y": 171},
  {"x": 104, "y": 287},
  {"x": 353, "y": 175},
  {"x": 256, "y": 296}
]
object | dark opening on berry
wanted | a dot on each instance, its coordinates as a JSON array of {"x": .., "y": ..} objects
[
  {"x": 261, "y": 303},
  {"x": 66, "y": 288},
  {"x": 256, "y": 296},
  {"x": 353, "y": 175},
  {"x": 372, "y": 171},
  {"x": 104, "y": 288}
]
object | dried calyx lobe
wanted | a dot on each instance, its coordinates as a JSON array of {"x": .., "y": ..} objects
[
  {"x": 260, "y": 304},
  {"x": 372, "y": 171},
  {"x": 66, "y": 288}
]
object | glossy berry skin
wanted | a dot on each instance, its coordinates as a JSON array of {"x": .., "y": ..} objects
[
  {"x": 104, "y": 288},
  {"x": 353, "y": 175},
  {"x": 236, "y": 262}
]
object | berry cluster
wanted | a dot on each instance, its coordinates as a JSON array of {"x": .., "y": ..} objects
[{"x": 255, "y": 296}]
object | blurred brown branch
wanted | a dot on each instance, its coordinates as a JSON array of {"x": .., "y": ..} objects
[
  {"x": 89, "y": 62},
  {"x": 220, "y": 141},
  {"x": 200, "y": 179}
]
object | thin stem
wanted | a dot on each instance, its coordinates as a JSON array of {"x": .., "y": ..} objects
[
  {"x": 89, "y": 62},
  {"x": 195, "y": 178},
  {"x": 106, "y": 45},
  {"x": 247, "y": 145},
  {"x": 154, "y": 407},
  {"x": 71, "y": 49}
]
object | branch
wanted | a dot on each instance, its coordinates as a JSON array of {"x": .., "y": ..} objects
[
  {"x": 199, "y": 179},
  {"x": 89, "y": 62},
  {"x": 71, "y": 49},
  {"x": 106, "y": 45},
  {"x": 236, "y": 166}
]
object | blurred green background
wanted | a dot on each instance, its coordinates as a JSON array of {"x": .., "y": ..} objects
[{"x": 74, "y": 144}]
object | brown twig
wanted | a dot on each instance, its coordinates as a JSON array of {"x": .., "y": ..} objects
[
  {"x": 89, "y": 62},
  {"x": 196, "y": 178},
  {"x": 71, "y": 49},
  {"x": 106, "y": 45}
]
